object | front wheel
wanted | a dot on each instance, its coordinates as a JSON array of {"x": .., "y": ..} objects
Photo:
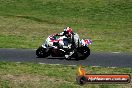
[
  {"x": 84, "y": 51},
  {"x": 41, "y": 52}
]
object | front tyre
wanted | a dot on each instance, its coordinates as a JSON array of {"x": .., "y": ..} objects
[
  {"x": 84, "y": 51},
  {"x": 41, "y": 52}
]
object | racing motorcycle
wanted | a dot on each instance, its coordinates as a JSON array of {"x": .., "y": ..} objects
[{"x": 60, "y": 46}]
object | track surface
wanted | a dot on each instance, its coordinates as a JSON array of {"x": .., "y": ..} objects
[{"x": 95, "y": 59}]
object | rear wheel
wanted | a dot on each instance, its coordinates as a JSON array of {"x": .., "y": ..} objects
[{"x": 41, "y": 52}]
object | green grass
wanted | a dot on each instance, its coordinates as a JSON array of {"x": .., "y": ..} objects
[
  {"x": 30, "y": 75},
  {"x": 26, "y": 23}
]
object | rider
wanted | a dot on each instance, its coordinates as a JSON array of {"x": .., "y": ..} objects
[
  {"x": 70, "y": 36},
  {"x": 68, "y": 33}
]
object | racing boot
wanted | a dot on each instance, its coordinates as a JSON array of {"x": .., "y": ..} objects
[{"x": 69, "y": 54}]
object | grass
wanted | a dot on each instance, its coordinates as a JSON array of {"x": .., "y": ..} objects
[
  {"x": 30, "y": 75},
  {"x": 24, "y": 23}
]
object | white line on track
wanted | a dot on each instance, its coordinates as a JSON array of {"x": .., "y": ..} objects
[
  {"x": 115, "y": 52},
  {"x": 70, "y": 65}
]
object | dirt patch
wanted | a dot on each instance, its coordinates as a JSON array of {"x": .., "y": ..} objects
[{"x": 22, "y": 78}]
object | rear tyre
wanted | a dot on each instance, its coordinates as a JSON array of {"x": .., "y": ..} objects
[{"x": 41, "y": 52}]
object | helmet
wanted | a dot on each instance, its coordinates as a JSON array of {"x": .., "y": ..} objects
[{"x": 68, "y": 31}]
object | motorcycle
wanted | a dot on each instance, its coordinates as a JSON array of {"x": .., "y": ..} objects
[{"x": 60, "y": 46}]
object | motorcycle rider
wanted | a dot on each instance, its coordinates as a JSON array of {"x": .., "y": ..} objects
[
  {"x": 68, "y": 33},
  {"x": 70, "y": 36}
]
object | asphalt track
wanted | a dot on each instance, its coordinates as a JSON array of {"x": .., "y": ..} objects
[{"x": 95, "y": 59}]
